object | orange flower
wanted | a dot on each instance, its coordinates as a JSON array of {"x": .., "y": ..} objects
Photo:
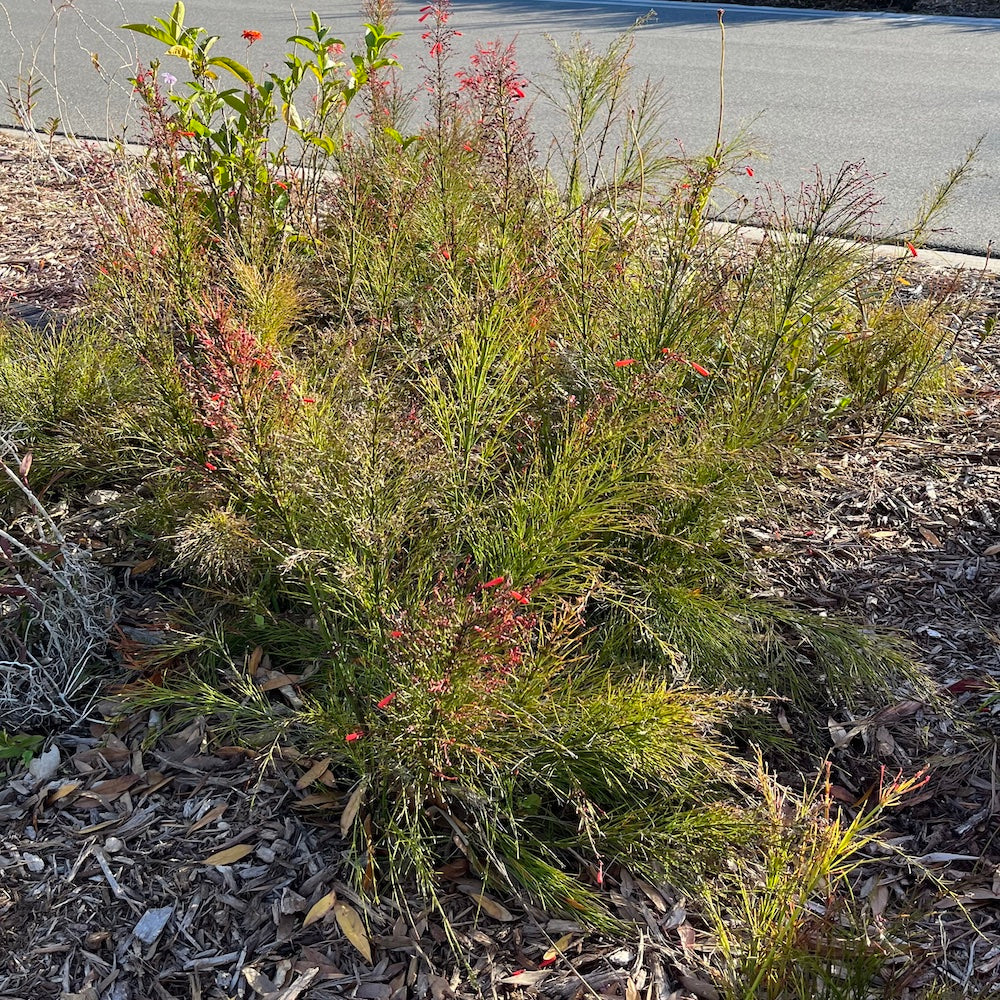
[
  {"x": 703, "y": 372},
  {"x": 252, "y": 36}
]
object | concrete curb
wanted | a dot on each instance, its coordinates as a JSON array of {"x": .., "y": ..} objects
[{"x": 926, "y": 256}]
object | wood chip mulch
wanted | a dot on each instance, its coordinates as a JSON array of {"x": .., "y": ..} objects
[
  {"x": 178, "y": 872},
  {"x": 135, "y": 867}
]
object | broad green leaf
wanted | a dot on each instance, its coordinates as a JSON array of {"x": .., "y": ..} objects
[
  {"x": 237, "y": 69},
  {"x": 177, "y": 18},
  {"x": 147, "y": 29}
]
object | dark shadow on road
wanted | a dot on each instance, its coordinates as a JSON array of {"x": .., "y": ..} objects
[{"x": 581, "y": 15}]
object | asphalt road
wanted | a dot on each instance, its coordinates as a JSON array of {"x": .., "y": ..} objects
[{"x": 908, "y": 95}]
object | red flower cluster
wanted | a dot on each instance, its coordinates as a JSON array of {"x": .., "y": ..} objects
[
  {"x": 233, "y": 381},
  {"x": 461, "y": 648},
  {"x": 250, "y": 36},
  {"x": 670, "y": 355}
]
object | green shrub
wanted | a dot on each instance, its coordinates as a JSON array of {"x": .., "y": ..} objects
[{"x": 479, "y": 497}]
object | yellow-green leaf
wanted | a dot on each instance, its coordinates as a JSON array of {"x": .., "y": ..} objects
[{"x": 291, "y": 117}]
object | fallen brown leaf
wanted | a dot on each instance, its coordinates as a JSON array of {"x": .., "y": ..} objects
[
  {"x": 229, "y": 856},
  {"x": 354, "y": 930},
  {"x": 320, "y": 909}
]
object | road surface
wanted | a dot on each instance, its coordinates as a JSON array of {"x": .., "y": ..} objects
[{"x": 908, "y": 95}]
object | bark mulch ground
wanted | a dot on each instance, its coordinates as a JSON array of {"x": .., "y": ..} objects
[{"x": 142, "y": 867}]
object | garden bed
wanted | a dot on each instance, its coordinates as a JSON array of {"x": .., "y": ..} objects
[{"x": 149, "y": 865}]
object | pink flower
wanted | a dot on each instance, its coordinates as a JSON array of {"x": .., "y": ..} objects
[{"x": 351, "y": 737}]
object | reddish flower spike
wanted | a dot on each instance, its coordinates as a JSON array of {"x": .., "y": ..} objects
[
  {"x": 625, "y": 362},
  {"x": 351, "y": 737}
]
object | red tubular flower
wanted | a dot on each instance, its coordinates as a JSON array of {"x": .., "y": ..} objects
[
  {"x": 911, "y": 248},
  {"x": 495, "y": 582},
  {"x": 386, "y": 701},
  {"x": 211, "y": 468},
  {"x": 395, "y": 634},
  {"x": 703, "y": 372},
  {"x": 251, "y": 36},
  {"x": 749, "y": 171},
  {"x": 351, "y": 737},
  {"x": 520, "y": 598},
  {"x": 625, "y": 362}
]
